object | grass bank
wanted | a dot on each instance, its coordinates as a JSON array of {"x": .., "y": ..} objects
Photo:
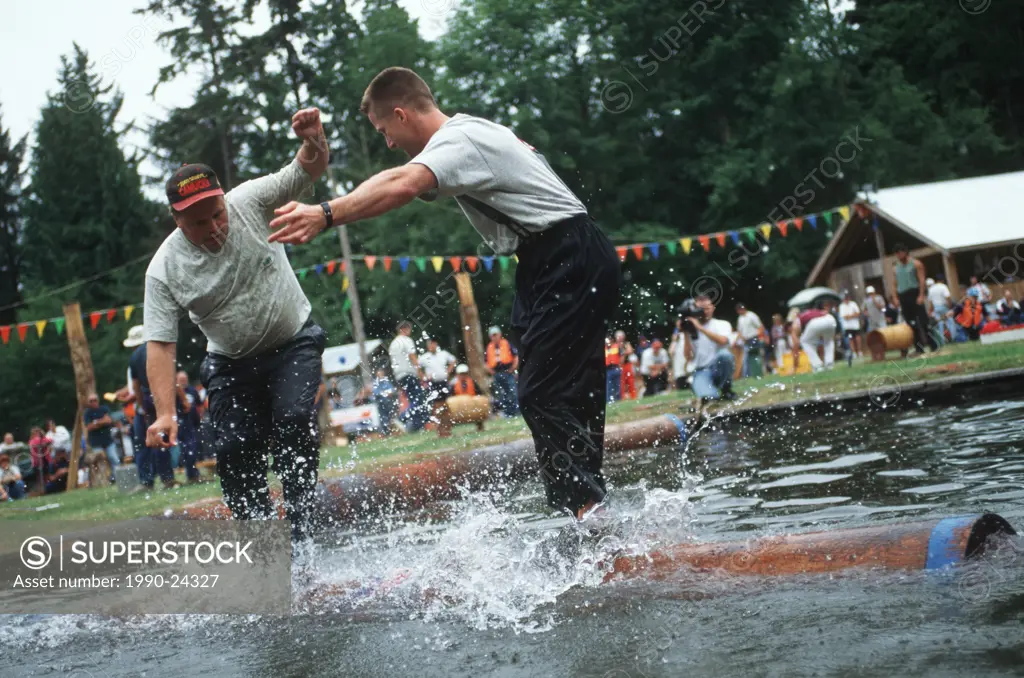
[{"x": 885, "y": 378}]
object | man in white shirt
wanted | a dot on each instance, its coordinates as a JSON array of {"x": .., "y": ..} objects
[
  {"x": 939, "y": 303},
  {"x": 1008, "y": 310},
  {"x": 849, "y": 312},
  {"x": 438, "y": 366},
  {"x": 874, "y": 304},
  {"x": 408, "y": 373},
  {"x": 714, "y": 363},
  {"x": 654, "y": 364},
  {"x": 748, "y": 329}
]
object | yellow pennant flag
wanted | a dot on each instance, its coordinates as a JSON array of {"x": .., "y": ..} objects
[
  {"x": 845, "y": 213},
  {"x": 767, "y": 230},
  {"x": 128, "y": 312},
  {"x": 686, "y": 243},
  {"x": 40, "y": 325},
  {"x": 516, "y": 257},
  {"x": 344, "y": 283},
  {"x": 437, "y": 262}
]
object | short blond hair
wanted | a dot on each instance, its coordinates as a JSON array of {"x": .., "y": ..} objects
[{"x": 397, "y": 87}]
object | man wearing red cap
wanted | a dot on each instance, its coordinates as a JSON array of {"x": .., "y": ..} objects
[{"x": 264, "y": 352}]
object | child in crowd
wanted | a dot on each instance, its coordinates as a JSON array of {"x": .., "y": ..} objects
[{"x": 779, "y": 343}]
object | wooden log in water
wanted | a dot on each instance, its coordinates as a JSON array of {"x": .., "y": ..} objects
[{"x": 929, "y": 545}]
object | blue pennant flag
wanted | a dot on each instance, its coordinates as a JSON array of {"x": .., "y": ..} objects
[
  {"x": 488, "y": 263},
  {"x": 735, "y": 237},
  {"x": 814, "y": 221},
  {"x": 403, "y": 262},
  {"x": 319, "y": 269},
  {"x": 653, "y": 247}
]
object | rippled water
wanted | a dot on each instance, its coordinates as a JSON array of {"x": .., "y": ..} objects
[{"x": 489, "y": 591}]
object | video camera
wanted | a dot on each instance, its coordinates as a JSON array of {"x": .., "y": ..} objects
[{"x": 690, "y": 309}]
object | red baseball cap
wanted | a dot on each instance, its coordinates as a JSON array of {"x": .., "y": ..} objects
[{"x": 192, "y": 183}]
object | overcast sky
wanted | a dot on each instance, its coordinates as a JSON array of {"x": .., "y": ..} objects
[{"x": 34, "y": 35}]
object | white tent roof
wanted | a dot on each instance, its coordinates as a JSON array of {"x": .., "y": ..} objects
[
  {"x": 346, "y": 358},
  {"x": 959, "y": 214}
]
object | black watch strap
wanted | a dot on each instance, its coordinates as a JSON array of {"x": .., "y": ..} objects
[{"x": 327, "y": 213}]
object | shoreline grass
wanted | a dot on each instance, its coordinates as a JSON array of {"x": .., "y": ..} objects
[{"x": 109, "y": 504}]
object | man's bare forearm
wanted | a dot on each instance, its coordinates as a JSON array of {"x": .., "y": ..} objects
[
  {"x": 314, "y": 155},
  {"x": 380, "y": 194},
  {"x": 160, "y": 371}
]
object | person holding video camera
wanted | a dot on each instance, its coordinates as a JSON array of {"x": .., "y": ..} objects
[{"x": 707, "y": 344}]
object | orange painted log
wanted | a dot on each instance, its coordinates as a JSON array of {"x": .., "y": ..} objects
[
  {"x": 930, "y": 544},
  {"x": 442, "y": 477}
]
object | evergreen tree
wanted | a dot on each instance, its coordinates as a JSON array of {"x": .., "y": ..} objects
[{"x": 11, "y": 179}]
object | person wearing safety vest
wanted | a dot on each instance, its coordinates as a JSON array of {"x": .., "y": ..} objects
[
  {"x": 969, "y": 314},
  {"x": 502, "y": 362},
  {"x": 628, "y": 360},
  {"x": 463, "y": 383},
  {"x": 613, "y": 367}
]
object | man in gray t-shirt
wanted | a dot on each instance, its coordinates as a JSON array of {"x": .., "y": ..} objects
[
  {"x": 263, "y": 366},
  {"x": 568, "y": 276}
]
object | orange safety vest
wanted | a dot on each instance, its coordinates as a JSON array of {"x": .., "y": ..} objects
[
  {"x": 612, "y": 355},
  {"x": 464, "y": 386},
  {"x": 970, "y": 314},
  {"x": 502, "y": 355}
]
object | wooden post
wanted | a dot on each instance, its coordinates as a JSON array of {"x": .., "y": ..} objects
[
  {"x": 952, "y": 276},
  {"x": 887, "y": 282},
  {"x": 472, "y": 335},
  {"x": 85, "y": 382}
]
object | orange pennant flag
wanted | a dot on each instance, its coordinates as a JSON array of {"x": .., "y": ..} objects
[
  {"x": 705, "y": 242},
  {"x": 471, "y": 263},
  {"x": 622, "y": 252},
  {"x": 799, "y": 223},
  {"x": 370, "y": 260},
  {"x": 22, "y": 329},
  {"x": 387, "y": 264},
  {"x": 638, "y": 252},
  {"x": 720, "y": 237},
  {"x": 456, "y": 263},
  {"x": 331, "y": 265},
  {"x": 94, "y": 318},
  {"x": 782, "y": 228},
  {"x": 111, "y": 314},
  {"x": 5, "y": 333}
]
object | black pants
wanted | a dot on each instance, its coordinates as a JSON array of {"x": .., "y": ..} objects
[
  {"x": 262, "y": 404},
  {"x": 655, "y": 385},
  {"x": 567, "y": 286},
  {"x": 916, "y": 316}
]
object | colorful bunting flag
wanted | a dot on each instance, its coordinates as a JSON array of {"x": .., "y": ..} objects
[
  {"x": 471, "y": 262},
  {"x": 347, "y": 305},
  {"x": 488, "y": 263},
  {"x": 319, "y": 268},
  {"x": 799, "y": 223},
  {"x": 735, "y": 237},
  {"x": 638, "y": 252},
  {"x": 456, "y": 264},
  {"x": 5, "y": 333},
  {"x": 344, "y": 284},
  {"x": 671, "y": 245},
  {"x": 828, "y": 218},
  {"x": 437, "y": 263},
  {"x": 705, "y": 242},
  {"x": 622, "y": 252},
  {"x": 720, "y": 237},
  {"x": 874, "y": 223},
  {"x": 403, "y": 263},
  {"x": 59, "y": 322},
  {"x": 421, "y": 263},
  {"x": 22, "y": 329},
  {"x": 331, "y": 266},
  {"x": 783, "y": 226},
  {"x": 751, "y": 235},
  {"x": 844, "y": 212},
  {"x": 342, "y": 267},
  {"x": 504, "y": 263},
  {"x": 814, "y": 221},
  {"x": 128, "y": 312},
  {"x": 387, "y": 264},
  {"x": 40, "y": 325},
  {"x": 686, "y": 243},
  {"x": 94, "y": 318},
  {"x": 111, "y": 314},
  {"x": 767, "y": 231},
  {"x": 370, "y": 260},
  {"x": 302, "y": 273},
  {"x": 653, "y": 247}
]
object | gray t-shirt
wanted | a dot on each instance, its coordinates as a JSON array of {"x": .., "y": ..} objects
[
  {"x": 245, "y": 296},
  {"x": 487, "y": 161}
]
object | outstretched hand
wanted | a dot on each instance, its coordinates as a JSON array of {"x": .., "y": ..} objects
[{"x": 297, "y": 223}]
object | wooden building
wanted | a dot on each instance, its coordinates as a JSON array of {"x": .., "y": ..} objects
[{"x": 957, "y": 229}]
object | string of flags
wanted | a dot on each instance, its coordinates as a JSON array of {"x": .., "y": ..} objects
[{"x": 473, "y": 263}]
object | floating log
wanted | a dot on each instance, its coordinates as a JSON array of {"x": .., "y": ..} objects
[{"x": 924, "y": 545}]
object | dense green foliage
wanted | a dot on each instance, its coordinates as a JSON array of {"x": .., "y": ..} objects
[{"x": 668, "y": 119}]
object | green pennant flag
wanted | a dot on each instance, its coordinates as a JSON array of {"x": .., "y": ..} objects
[
  {"x": 750, "y": 234},
  {"x": 302, "y": 273},
  {"x": 828, "y": 218},
  {"x": 421, "y": 263},
  {"x": 59, "y": 322},
  {"x": 504, "y": 263},
  {"x": 347, "y": 305},
  {"x": 671, "y": 247}
]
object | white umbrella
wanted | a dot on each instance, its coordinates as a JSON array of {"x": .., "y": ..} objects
[{"x": 813, "y": 294}]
